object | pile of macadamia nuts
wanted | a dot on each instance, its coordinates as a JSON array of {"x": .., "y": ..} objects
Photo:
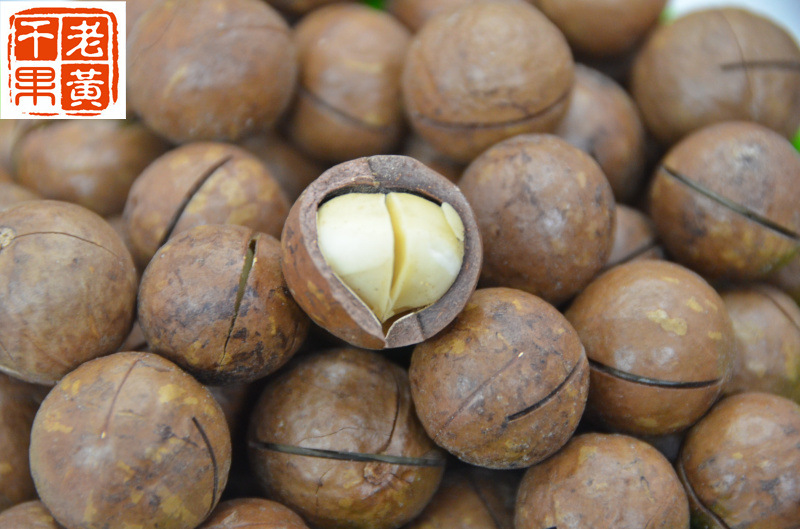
[{"x": 463, "y": 264}]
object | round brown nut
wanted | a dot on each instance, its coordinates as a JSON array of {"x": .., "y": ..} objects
[
  {"x": 213, "y": 300},
  {"x": 504, "y": 386},
  {"x": 228, "y": 69},
  {"x": 602, "y": 28},
  {"x": 724, "y": 201},
  {"x": 767, "y": 326},
  {"x": 717, "y": 65},
  {"x": 292, "y": 169},
  {"x": 603, "y": 121},
  {"x": 348, "y": 103},
  {"x": 414, "y": 13},
  {"x": 68, "y": 289},
  {"x": 18, "y": 405},
  {"x": 129, "y": 438},
  {"x": 634, "y": 238},
  {"x": 92, "y": 163},
  {"x": 604, "y": 482},
  {"x": 335, "y": 438},
  {"x": 30, "y": 515},
  {"x": 471, "y": 498},
  {"x": 11, "y": 194},
  {"x": 545, "y": 212},
  {"x": 254, "y": 513},
  {"x": 196, "y": 184},
  {"x": 740, "y": 464},
  {"x": 464, "y": 91},
  {"x": 660, "y": 345},
  {"x": 421, "y": 150},
  {"x": 330, "y": 297}
]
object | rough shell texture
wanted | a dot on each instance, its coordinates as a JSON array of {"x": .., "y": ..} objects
[
  {"x": 30, "y": 515},
  {"x": 634, "y": 237},
  {"x": 18, "y": 405},
  {"x": 603, "y": 121},
  {"x": 660, "y": 343},
  {"x": 67, "y": 289},
  {"x": 227, "y": 70},
  {"x": 326, "y": 299},
  {"x": 351, "y": 411},
  {"x": 717, "y": 65},
  {"x": 213, "y": 300},
  {"x": 767, "y": 326},
  {"x": 253, "y": 513},
  {"x": 604, "y": 482},
  {"x": 88, "y": 162},
  {"x": 724, "y": 201},
  {"x": 546, "y": 215},
  {"x": 201, "y": 183},
  {"x": 414, "y": 13},
  {"x": 464, "y": 91},
  {"x": 741, "y": 465},
  {"x": 505, "y": 385},
  {"x": 130, "y": 438},
  {"x": 602, "y": 28},
  {"x": 471, "y": 498},
  {"x": 348, "y": 104}
]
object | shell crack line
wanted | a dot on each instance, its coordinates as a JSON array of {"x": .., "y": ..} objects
[
  {"x": 215, "y": 490},
  {"x": 651, "y": 381},
  {"x": 349, "y": 456},
  {"x": 249, "y": 260},
  {"x": 547, "y": 398}
]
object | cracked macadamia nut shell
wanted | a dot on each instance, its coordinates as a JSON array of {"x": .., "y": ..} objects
[
  {"x": 67, "y": 289},
  {"x": 717, "y": 65},
  {"x": 213, "y": 300},
  {"x": 348, "y": 103},
  {"x": 201, "y": 183},
  {"x": 335, "y": 438},
  {"x": 546, "y": 215},
  {"x": 92, "y": 163},
  {"x": 603, "y": 482},
  {"x": 725, "y": 201},
  {"x": 210, "y": 69},
  {"x": 323, "y": 296},
  {"x": 504, "y": 386},
  {"x": 660, "y": 345},
  {"x": 254, "y": 513},
  {"x": 130, "y": 438},
  {"x": 741, "y": 464},
  {"x": 767, "y": 326},
  {"x": 483, "y": 73}
]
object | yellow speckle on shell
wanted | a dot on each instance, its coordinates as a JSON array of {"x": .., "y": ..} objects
[
  {"x": 674, "y": 325},
  {"x": 714, "y": 335},
  {"x": 169, "y": 392},
  {"x": 694, "y": 305}
]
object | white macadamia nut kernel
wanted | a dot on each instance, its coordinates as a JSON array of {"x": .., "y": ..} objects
[{"x": 397, "y": 252}]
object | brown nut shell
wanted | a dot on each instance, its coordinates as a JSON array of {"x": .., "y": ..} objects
[
  {"x": 603, "y": 482},
  {"x": 741, "y": 462},
  {"x": 546, "y": 215},
  {"x": 787, "y": 278},
  {"x": 11, "y": 194},
  {"x": 464, "y": 91},
  {"x": 213, "y": 300},
  {"x": 227, "y": 70},
  {"x": 253, "y": 513},
  {"x": 130, "y": 438},
  {"x": 767, "y": 326},
  {"x": 660, "y": 344},
  {"x": 634, "y": 238},
  {"x": 603, "y": 121},
  {"x": 18, "y": 404},
  {"x": 348, "y": 103},
  {"x": 505, "y": 385},
  {"x": 28, "y": 515},
  {"x": 326, "y": 299},
  {"x": 67, "y": 289},
  {"x": 414, "y": 13},
  {"x": 92, "y": 163},
  {"x": 724, "y": 201},
  {"x": 335, "y": 438},
  {"x": 299, "y": 7},
  {"x": 717, "y": 65},
  {"x": 201, "y": 183}
]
